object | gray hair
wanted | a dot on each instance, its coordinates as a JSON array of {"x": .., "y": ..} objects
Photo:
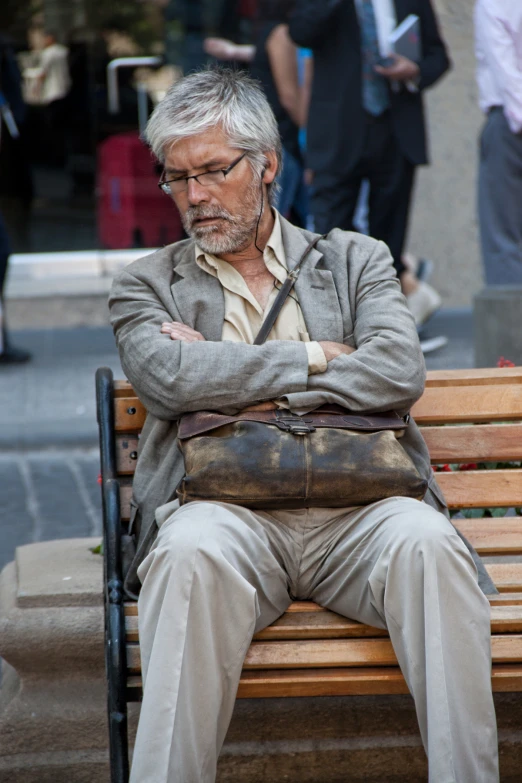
[{"x": 218, "y": 97}]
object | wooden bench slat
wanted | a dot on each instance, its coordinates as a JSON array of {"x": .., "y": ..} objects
[
  {"x": 483, "y": 376},
  {"x": 482, "y": 488},
  {"x": 318, "y": 653},
  {"x": 351, "y": 652},
  {"x": 304, "y": 654},
  {"x": 334, "y": 653},
  {"x": 350, "y": 682},
  {"x": 440, "y": 405},
  {"x": 314, "y": 682},
  {"x": 126, "y": 454},
  {"x": 124, "y": 419},
  {"x": 474, "y": 443},
  {"x": 505, "y": 599},
  {"x": 343, "y": 682},
  {"x": 497, "y": 536},
  {"x": 329, "y": 625},
  {"x": 317, "y": 625},
  {"x": 301, "y": 625},
  {"x": 123, "y": 388},
  {"x": 506, "y": 576}
]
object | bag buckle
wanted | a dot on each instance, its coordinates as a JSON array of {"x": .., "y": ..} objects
[{"x": 296, "y": 425}]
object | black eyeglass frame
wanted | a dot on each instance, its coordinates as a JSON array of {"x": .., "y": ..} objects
[{"x": 225, "y": 172}]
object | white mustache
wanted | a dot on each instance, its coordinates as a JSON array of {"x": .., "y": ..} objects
[{"x": 203, "y": 215}]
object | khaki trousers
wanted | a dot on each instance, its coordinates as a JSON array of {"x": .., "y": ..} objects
[{"x": 218, "y": 573}]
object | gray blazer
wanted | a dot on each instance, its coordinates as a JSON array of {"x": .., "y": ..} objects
[{"x": 348, "y": 292}]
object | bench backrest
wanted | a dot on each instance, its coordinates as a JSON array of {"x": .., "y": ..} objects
[{"x": 484, "y": 408}]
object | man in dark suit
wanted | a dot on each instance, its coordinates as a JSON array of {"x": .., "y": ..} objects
[{"x": 366, "y": 121}]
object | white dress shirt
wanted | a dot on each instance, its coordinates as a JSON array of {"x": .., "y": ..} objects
[
  {"x": 385, "y": 21},
  {"x": 498, "y": 47}
]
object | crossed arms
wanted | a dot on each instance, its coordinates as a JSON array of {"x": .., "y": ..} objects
[
  {"x": 180, "y": 331},
  {"x": 187, "y": 373}
]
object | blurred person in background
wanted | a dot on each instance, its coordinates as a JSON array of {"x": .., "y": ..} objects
[
  {"x": 273, "y": 60},
  {"x": 189, "y": 22},
  {"x": 15, "y": 180},
  {"x": 498, "y": 35},
  {"x": 366, "y": 119},
  {"x": 54, "y": 84}
]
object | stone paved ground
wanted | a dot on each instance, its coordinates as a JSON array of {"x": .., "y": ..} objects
[
  {"x": 48, "y": 494},
  {"x": 51, "y": 399}
]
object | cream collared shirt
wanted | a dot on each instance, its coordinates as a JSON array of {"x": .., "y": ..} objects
[{"x": 244, "y": 315}]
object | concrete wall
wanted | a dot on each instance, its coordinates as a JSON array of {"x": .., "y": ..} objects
[{"x": 444, "y": 221}]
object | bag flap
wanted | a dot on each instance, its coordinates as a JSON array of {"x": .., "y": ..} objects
[{"x": 192, "y": 424}]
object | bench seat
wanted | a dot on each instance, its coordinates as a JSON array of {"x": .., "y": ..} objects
[{"x": 309, "y": 644}]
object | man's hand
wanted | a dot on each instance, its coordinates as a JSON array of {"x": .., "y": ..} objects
[
  {"x": 178, "y": 331},
  {"x": 332, "y": 350},
  {"x": 402, "y": 69}
]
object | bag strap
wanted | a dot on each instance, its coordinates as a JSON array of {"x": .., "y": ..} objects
[{"x": 282, "y": 296}]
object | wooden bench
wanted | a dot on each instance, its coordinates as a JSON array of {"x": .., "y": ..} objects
[{"x": 466, "y": 416}]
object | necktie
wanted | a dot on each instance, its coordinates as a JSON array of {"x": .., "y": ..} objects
[{"x": 375, "y": 93}]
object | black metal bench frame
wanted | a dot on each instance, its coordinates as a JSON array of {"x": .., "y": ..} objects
[{"x": 115, "y": 656}]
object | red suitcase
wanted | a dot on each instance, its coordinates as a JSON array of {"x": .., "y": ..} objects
[{"x": 131, "y": 209}]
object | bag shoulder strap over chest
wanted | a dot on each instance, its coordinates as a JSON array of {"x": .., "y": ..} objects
[{"x": 282, "y": 296}]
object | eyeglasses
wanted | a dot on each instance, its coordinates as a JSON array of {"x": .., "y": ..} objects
[{"x": 215, "y": 177}]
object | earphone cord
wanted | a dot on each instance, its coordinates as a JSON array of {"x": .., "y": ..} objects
[{"x": 259, "y": 218}]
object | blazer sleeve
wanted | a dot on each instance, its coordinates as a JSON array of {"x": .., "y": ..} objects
[
  {"x": 172, "y": 377},
  {"x": 387, "y": 369},
  {"x": 312, "y": 20},
  {"x": 435, "y": 61}
]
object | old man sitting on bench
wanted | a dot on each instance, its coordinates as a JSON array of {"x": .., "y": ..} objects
[{"x": 212, "y": 572}]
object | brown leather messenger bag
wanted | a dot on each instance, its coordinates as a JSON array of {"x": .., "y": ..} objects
[{"x": 330, "y": 457}]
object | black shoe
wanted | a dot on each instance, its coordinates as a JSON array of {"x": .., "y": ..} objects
[{"x": 12, "y": 355}]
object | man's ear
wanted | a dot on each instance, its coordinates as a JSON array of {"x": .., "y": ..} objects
[{"x": 270, "y": 169}]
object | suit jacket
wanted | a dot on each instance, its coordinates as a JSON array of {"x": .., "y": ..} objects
[
  {"x": 336, "y": 124},
  {"x": 348, "y": 292}
]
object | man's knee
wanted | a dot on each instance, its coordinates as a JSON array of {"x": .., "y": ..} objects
[
  {"x": 420, "y": 528},
  {"x": 203, "y": 527}
]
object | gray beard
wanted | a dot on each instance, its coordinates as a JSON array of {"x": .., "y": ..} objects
[{"x": 236, "y": 232}]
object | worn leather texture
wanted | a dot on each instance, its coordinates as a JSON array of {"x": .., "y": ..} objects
[{"x": 328, "y": 458}]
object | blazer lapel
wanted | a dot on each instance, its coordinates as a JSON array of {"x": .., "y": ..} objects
[
  {"x": 315, "y": 286},
  {"x": 198, "y": 296}
]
